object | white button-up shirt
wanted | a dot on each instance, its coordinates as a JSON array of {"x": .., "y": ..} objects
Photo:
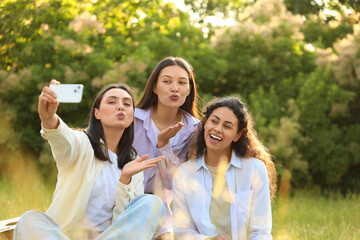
[
  {"x": 99, "y": 211},
  {"x": 250, "y": 211}
]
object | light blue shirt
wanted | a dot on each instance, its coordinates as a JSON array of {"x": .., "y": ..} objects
[
  {"x": 175, "y": 151},
  {"x": 250, "y": 211}
]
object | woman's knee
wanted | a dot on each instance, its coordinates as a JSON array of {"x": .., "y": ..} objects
[
  {"x": 30, "y": 218},
  {"x": 153, "y": 204}
]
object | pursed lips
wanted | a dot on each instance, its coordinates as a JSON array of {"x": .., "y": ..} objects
[
  {"x": 174, "y": 97},
  {"x": 120, "y": 115}
]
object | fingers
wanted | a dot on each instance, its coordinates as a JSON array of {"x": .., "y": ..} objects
[
  {"x": 47, "y": 95},
  {"x": 142, "y": 158},
  {"x": 172, "y": 130},
  {"x": 155, "y": 160},
  {"x": 151, "y": 163},
  {"x": 55, "y": 82}
]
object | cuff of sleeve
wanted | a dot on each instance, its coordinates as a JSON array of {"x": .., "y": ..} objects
[
  {"x": 168, "y": 153},
  {"x": 45, "y": 131},
  {"x": 125, "y": 188}
]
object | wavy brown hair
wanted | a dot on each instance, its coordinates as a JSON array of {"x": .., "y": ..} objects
[
  {"x": 149, "y": 98},
  {"x": 247, "y": 146}
]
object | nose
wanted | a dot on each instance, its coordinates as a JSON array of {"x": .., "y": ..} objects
[
  {"x": 174, "y": 86},
  {"x": 120, "y": 107},
  {"x": 217, "y": 128}
]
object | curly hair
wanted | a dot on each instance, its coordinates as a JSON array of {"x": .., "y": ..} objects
[{"x": 247, "y": 146}]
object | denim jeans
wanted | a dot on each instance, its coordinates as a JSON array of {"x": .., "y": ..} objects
[{"x": 139, "y": 221}]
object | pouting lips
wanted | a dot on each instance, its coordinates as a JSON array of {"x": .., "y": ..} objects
[
  {"x": 174, "y": 97},
  {"x": 121, "y": 115},
  {"x": 215, "y": 137}
]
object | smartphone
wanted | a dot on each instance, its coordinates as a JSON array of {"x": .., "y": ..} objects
[{"x": 68, "y": 93}]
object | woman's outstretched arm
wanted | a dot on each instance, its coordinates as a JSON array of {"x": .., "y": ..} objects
[{"x": 48, "y": 106}]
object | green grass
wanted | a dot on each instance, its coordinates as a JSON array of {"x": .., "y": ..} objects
[
  {"x": 306, "y": 215},
  {"x": 17, "y": 198}
]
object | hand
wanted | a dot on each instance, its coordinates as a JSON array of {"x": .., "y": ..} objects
[
  {"x": 165, "y": 135},
  {"x": 47, "y": 107},
  {"x": 221, "y": 237},
  {"x": 136, "y": 166}
]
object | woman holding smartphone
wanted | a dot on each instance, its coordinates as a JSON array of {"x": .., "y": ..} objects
[
  {"x": 99, "y": 190},
  {"x": 165, "y": 117},
  {"x": 225, "y": 191}
]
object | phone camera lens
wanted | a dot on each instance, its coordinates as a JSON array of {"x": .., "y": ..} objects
[{"x": 75, "y": 90}]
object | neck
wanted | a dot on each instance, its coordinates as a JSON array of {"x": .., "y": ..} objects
[
  {"x": 213, "y": 158},
  {"x": 112, "y": 138},
  {"x": 165, "y": 117}
]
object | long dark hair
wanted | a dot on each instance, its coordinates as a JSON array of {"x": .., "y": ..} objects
[
  {"x": 149, "y": 98},
  {"x": 247, "y": 146},
  {"x": 95, "y": 132}
]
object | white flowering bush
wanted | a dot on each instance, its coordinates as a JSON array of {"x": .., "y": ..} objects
[{"x": 302, "y": 96}]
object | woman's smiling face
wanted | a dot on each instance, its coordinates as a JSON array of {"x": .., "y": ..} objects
[{"x": 220, "y": 130}]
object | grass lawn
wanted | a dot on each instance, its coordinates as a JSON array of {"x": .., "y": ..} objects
[{"x": 305, "y": 215}]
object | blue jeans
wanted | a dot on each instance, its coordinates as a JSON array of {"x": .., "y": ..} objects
[{"x": 139, "y": 221}]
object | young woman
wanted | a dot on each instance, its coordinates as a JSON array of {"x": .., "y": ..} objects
[
  {"x": 225, "y": 191},
  {"x": 165, "y": 117},
  {"x": 99, "y": 192}
]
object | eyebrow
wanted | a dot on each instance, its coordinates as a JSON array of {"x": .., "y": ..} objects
[
  {"x": 172, "y": 77},
  {"x": 125, "y": 98},
  {"x": 215, "y": 116}
]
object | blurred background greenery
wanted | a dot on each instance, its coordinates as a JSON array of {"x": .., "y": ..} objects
[{"x": 295, "y": 62}]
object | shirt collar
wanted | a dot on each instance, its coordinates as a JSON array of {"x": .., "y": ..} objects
[
  {"x": 235, "y": 161},
  {"x": 142, "y": 114}
]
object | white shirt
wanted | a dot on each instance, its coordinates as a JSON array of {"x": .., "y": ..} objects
[
  {"x": 250, "y": 211},
  {"x": 99, "y": 211}
]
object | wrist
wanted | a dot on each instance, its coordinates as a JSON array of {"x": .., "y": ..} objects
[
  {"x": 124, "y": 179},
  {"x": 51, "y": 123},
  {"x": 161, "y": 144}
]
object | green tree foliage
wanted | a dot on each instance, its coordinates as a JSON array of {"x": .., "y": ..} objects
[
  {"x": 300, "y": 95},
  {"x": 299, "y": 74},
  {"x": 88, "y": 42}
]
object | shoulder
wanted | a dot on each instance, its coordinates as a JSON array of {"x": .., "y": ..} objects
[
  {"x": 187, "y": 168},
  {"x": 254, "y": 167},
  {"x": 141, "y": 114},
  {"x": 190, "y": 119}
]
